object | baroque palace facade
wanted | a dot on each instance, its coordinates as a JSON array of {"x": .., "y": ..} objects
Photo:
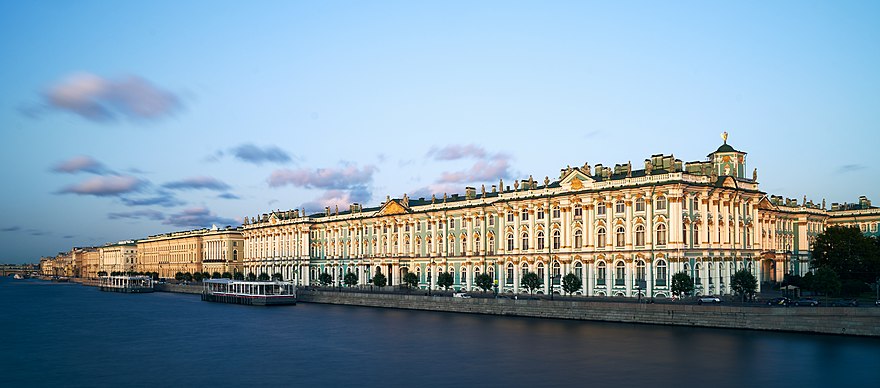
[{"x": 623, "y": 231}]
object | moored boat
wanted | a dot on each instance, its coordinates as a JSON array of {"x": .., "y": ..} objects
[
  {"x": 18, "y": 276},
  {"x": 127, "y": 284},
  {"x": 253, "y": 293}
]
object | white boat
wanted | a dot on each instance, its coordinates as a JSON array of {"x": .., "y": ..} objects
[
  {"x": 127, "y": 284},
  {"x": 18, "y": 276},
  {"x": 249, "y": 292}
]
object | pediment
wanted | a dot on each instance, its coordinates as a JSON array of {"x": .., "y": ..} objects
[
  {"x": 575, "y": 180},
  {"x": 393, "y": 207},
  {"x": 765, "y": 204}
]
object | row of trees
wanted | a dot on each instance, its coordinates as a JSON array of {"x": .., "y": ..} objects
[
  {"x": 845, "y": 261},
  {"x": 742, "y": 283}
]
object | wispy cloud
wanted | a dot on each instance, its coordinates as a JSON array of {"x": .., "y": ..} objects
[
  {"x": 455, "y": 152},
  {"x": 101, "y": 99},
  {"x": 161, "y": 198},
  {"x": 105, "y": 186},
  {"x": 482, "y": 171},
  {"x": 228, "y": 196},
  {"x": 197, "y": 183},
  {"x": 197, "y": 217},
  {"x": 851, "y": 168},
  {"x": 10, "y": 229},
  {"x": 258, "y": 155},
  {"x": 345, "y": 177},
  {"x": 137, "y": 215},
  {"x": 341, "y": 198},
  {"x": 81, "y": 164}
]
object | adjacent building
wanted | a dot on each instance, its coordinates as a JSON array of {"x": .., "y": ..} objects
[
  {"x": 201, "y": 250},
  {"x": 118, "y": 257}
]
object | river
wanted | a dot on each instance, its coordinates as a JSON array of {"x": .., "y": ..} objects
[{"x": 76, "y": 336}]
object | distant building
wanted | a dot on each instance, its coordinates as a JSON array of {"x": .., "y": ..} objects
[
  {"x": 623, "y": 230},
  {"x": 118, "y": 257},
  {"x": 201, "y": 250}
]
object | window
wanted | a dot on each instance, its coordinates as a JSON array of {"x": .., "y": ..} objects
[
  {"x": 477, "y": 243},
  {"x": 640, "y": 270},
  {"x": 463, "y": 279},
  {"x": 540, "y": 240},
  {"x": 640, "y": 235},
  {"x": 509, "y": 216},
  {"x": 600, "y": 238},
  {"x": 451, "y": 245},
  {"x": 556, "y": 239},
  {"x": 579, "y": 270},
  {"x": 524, "y": 215},
  {"x": 452, "y": 223},
  {"x": 619, "y": 208},
  {"x": 640, "y": 204},
  {"x": 661, "y": 235},
  {"x": 600, "y": 209},
  {"x": 509, "y": 242},
  {"x": 540, "y": 214},
  {"x": 491, "y": 249},
  {"x": 557, "y": 276},
  {"x": 491, "y": 272},
  {"x": 556, "y": 212},
  {"x": 684, "y": 234},
  {"x": 491, "y": 220},
  {"x": 578, "y": 238},
  {"x": 509, "y": 273},
  {"x": 709, "y": 267},
  {"x": 620, "y": 235},
  {"x": 463, "y": 245},
  {"x": 524, "y": 269},
  {"x": 578, "y": 211},
  {"x": 619, "y": 274},
  {"x": 661, "y": 273},
  {"x": 696, "y": 235},
  {"x": 600, "y": 273},
  {"x": 541, "y": 272},
  {"x": 525, "y": 241},
  {"x": 697, "y": 269}
]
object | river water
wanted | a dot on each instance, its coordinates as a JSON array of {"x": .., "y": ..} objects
[{"x": 70, "y": 335}]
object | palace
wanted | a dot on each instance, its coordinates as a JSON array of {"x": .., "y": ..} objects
[{"x": 623, "y": 231}]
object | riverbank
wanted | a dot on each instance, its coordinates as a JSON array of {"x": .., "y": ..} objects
[{"x": 823, "y": 320}]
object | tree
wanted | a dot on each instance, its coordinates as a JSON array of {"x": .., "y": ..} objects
[
  {"x": 411, "y": 280},
  {"x": 743, "y": 283},
  {"x": 325, "y": 279},
  {"x": 277, "y": 276},
  {"x": 826, "y": 281},
  {"x": 102, "y": 273},
  {"x": 531, "y": 282},
  {"x": 226, "y": 275},
  {"x": 379, "y": 280},
  {"x": 484, "y": 281},
  {"x": 251, "y": 277},
  {"x": 571, "y": 283},
  {"x": 188, "y": 276},
  {"x": 238, "y": 276},
  {"x": 849, "y": 253},
  {"x": 682, "y": 284},
  {"x": 350, "y": 279},
  {"x": 264, "y": 277},
  {"x": 206, "y": 275},
  {"x": 197, "y": 276},
  {"x": 445, "y": 280},
  {"x": 178, "y": 276}
]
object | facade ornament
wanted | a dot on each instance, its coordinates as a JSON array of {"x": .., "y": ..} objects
[
  {"x": 546, "y": 181},
  {"x": 629, "y": 169},
  {"x": 589, "y": 169},
  {"x": 755, "y": 174},
  {"x": 433, "y": 198},
  {"x": 805, "y": 201},
  {"x": 823, "y": 203},
  {"x": 515, "y": 185},
  {"x": 337, "y": 209},
  {"x": 483, "y": 189},
  {"x": 648, "y": 167},
  {"x": 501, "y": 185},
  {"x": 444, "y": 197},
  {"x": 724, "y": 136}
]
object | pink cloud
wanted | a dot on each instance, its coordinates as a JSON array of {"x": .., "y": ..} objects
[
  {"x": 454, "y": 152},
  {"x": 101, "y": 99},
  {"x": 323, "y": 178},
  {"x": 104, "y": 186}
]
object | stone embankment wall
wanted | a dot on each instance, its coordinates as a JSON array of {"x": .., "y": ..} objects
[
  {"x": 179, "y": 288},
  {"x": 863, "y": 321}
]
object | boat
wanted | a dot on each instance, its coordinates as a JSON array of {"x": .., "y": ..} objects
[
  {"x": 254, "y": 293},
  {"x": 18, "y": 276},
  {"x": 127, "y": 284}
]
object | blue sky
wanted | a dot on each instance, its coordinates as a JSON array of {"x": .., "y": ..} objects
[{"x": 125, "y": 119}]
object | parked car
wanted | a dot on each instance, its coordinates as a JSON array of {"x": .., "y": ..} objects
[
  {"x": 708, "y": 299},
  {"x": 846, "y": 303},
  {"x": 463, "y": 295},
  {"x": 806, "y": 302},
  {"x": 782, "y": 301}
]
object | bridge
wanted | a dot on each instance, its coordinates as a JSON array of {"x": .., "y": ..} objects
[{"x": 23, "y": 269}]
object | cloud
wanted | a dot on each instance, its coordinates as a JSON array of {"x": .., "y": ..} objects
[
  {"x": 101, "y": 99},
  {"x": 81, "y": 164},
  {"x": 437, "y": 189},
  {"x": 256, "y": 155},
  {"x": 197, "y": 217},
  {"x": 851, "y": 168},
  {"x": 69, "y": 236},
  {"x": 105, "y": 186},
  {"x": 455, "y": 152},
  {"x": 348, "y": 176},
  {"x": 10, "y": 229},
  {"x": 341, "y": 198},
  {"x": 162, "y": 198},
  {"x": 137, "y": 215},
  {"x": 483, "y": 170},
  {"x": 228, "y": 196},
  {"x": 197, "y": 183}
]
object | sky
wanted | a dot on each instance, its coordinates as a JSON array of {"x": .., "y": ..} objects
[{"x": 121, "y": 120}]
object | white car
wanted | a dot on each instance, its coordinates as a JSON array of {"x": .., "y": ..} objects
[
  {"x": 463, "y": 295},
  {"x": 708, "y": 299}
]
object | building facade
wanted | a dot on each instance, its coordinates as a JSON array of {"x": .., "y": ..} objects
[
  {"x": 118, "y": 257},
  {"x": 201, "y": 250}
]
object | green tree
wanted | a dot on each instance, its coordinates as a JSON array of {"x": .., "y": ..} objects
[
  {"x": 197, "y": 276},
  {"x": 238, "y": 276},
  {"x": 251, "y": 277},
  {"x": 226, "y": 275},
  {"x": 178, "y": 276},
  {"x": 826, "y": 281},
  {"x": 530, "y": 281},
  {"x": 445, "y": 280},
  {"x": 411, "y": 280},
  {"x": 743, "y": 283},
  {"x": 277, "y": 277},
  {"x": 484, "y": 281},
  {"x": 848, "y": 252},
  {"x": 264, "y": 277},
  {"x": 571, "y": 283},
  {"x": 188, "y": 277},
  {"x": 206, "y": 275},
  {"x": 350, "y": 279},
  {"x": 325, "y": 279},
  {"x": 215, "y": 275},
  {"x": 682, "y": 284},
  {"x": 379, "y": 280}
]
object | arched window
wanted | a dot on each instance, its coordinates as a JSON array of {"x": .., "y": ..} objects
[
  {"x": 600, "y": 238},
  {"x": 463, "y": 245},
  {"x": 640, "y": 204},
  {"x": 640, "y": 235},
  {"x": 557, "y": 275},
  {"x": 640, "y": 270},
  {"x": 491, "y": 272},
  {"x": 697, "y": 269},
  {"x": 477, "y": 272},
  {"x": 491, "y": 249},
  {"x": 540, "y": 240},
  {"x": 579, "y": 270},
  {"x": 419, "y": 273},
  {"x": 418, "y": 246},
  {"x": 578, "y": 238},
  {"x": 600, "y": 273},
  {"x": 696, "y": 234},
  {"x": 406, "y": 246},
  {"x": 684, "y": 234},
  {"x": 660, "y": 203},
  {"x": 509, "y": 242},
  {"x": 477, "y": 246},
  {"x": 541, "y": 272},
  {"x": 709, "y": 268},
  {"x": 524, "y": 269},
  {"x": 661, "y": 235},
  {"x": 463, "y": 278},
  {"x": 661, "y": 273},
  {"x": 509, "y": 273},
  {"x": 620, "y": 274},
  {"x": 235, "y": 255},
  {"x": 525, "y": 241},
  {"x": 557, "y": 240},
  {"x": 620, "y": 235},
  {"x": 451, "y": 245}
]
